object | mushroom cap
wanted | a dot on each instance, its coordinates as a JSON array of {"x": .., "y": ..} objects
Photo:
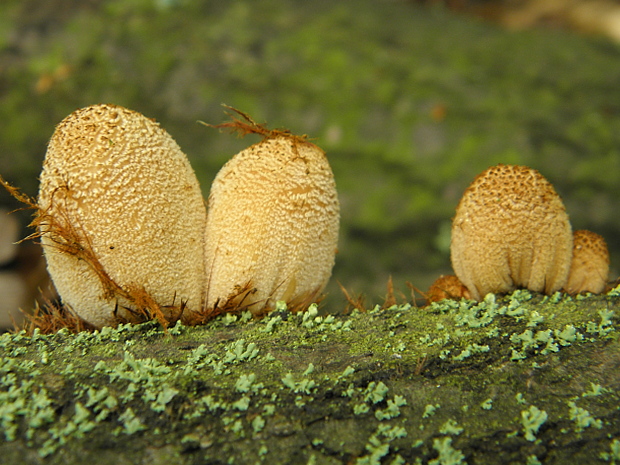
[
  {"x": 511, "y": 230},
  {"x": 121, "y": 215},
  {"x": 272, "y": 226},
  {"x": 590, "y": 265}
]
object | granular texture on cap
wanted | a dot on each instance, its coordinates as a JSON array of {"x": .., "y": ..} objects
[
  {"x": 589, "y": 269},
  {"x": 511, "y": 230},
  {"x": 121, "y": 216},
  {"x": 272, "y": 226}
]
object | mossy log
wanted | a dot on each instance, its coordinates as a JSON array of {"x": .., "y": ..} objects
[{"x": 520, "y": 379}]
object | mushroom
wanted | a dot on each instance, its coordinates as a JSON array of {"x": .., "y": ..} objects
[
  {"x": 121, "y": 218},
  {"x": 590, "y": 265},
  {"x": 511, "y": 230},
  {"x": 272, "y": 223}
]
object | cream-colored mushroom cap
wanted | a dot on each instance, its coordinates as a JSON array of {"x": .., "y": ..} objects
[
  {"x": 121, "y": 217},
  {"x": 511, "y": 230},
  {"x": 272, "y": 225},
  {"x": 590, "y": 265}
]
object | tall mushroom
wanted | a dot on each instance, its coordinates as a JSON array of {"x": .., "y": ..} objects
[
  {"x": 590, "y": 265},
  {"x": 272, "y": 223},
  {"x": 121, "y": 218},
  {"x": 511, "y": 230}
]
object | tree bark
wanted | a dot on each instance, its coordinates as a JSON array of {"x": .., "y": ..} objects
[{"x": 521, "y": 379}]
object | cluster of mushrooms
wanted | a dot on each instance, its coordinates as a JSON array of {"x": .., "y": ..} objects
[
  {"x": 127, "y": 235},
  {"x": 510, "y": 231}
]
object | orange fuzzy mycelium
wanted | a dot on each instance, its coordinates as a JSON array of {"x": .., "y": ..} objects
[
  {"x": 272, "y": 223},
  {"x": 589, "y": 269},
  {"x": 121, "y": 218},
  {"x": 511, "y": 230},
  {"x": 447, "y": 287}
]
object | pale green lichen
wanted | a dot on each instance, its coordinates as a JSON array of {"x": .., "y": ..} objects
[
  {"x": 532, "y": 419},
  {"x": 530, "y": 342},
  {"x": 245, "y": 382},
  {"x": 164, "y": 396},
  {"x": 360, "y": 409},
  {"x": 614, "y": 454},
  {"x": 131, "y": 423},
  {"x": 532, "y": 460},
  {"x": 309, "y": 370},
  {"x": 487, "y": 404},
  {"x": 237, "y": 352},
  {"x": 605, "y": 326},
  {"x": 271, "y": 323},
  {"x": 595, "y": 390},
  {"x": 582, "y": 418},
  {"x": 375, "y": 392},
  {"x": 430, "y": 410},
  {"x": 448, "y": 455},
  {"x": 451, "y": 427},
  {"x": 392, "y": 410},
  {"x": 398, "y": 460},
  {"x": 242, "y": 404},
  {"x": 470, "y": 350},
  {"x": 379, "y": 443},
  {"x": 258, "y": 423},
  {"x": 305, "y": 386}
]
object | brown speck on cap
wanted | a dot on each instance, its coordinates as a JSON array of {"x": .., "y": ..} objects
[
  {"x": 272, "y": 224},
  {"x": 121, "y": 217},
  {"x": 511, "y": 230},
  {"x": 589, "y": 269}
]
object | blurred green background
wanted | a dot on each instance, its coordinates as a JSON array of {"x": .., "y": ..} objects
[{"x": 410, "y": 102}]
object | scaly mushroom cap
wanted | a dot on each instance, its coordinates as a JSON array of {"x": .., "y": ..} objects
[
  {"x": 272, "y": 226},
  {"x": 511, "y": 230},
  {"x": 121, "y": 217},
  {"x": 590, "y": 266}
]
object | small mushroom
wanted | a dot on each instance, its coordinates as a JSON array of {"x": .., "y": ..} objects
[
  {"x": 272, "y": 223},
  {"x": 511, "y": 230},
  {"x": 590, "y": 266},
  {"x": 121, "y": 218}
]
